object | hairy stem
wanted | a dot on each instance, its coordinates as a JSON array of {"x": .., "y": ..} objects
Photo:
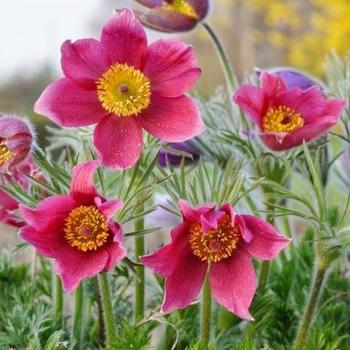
[
  {"x": 206, "y": 311},
  {"x": 78, "y": 317},
  {"x": 58, "y": 301}
]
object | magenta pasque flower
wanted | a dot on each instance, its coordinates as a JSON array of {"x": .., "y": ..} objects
[
  {"x": 16, "y": 141},
  {"x": 221, "y": 241},
  {"x": 286, "y": 117},
  {"x": 123, "y": 85},
  {"x": 76, "y": 230},
  {"x": 173, "y": 15}
]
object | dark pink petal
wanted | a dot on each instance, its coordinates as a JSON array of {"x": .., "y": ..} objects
[
  {"x": 115, "y": 247},
  {"x": 194, "y": 214},
  {"x": 233, "y": 283},
  {"x": 84, "y": 61},
  {"x": 334, "y": 107},
  {"x": 296, "y": 138},
  {"x": 172, "y": 119},
  {"x": 124, "y": 38},
  {"x": 210, "y": 220},
  {"x": 267, "y": 242},
  {"x": 253, "y": 101},
  {"x": 108, "y": 208},
  {"x": 118, "y": 141},
  {"x": 7, "y": 201},
  {"x": 50, "y": 212},
  {"x": 272, "y": 84},
  {"x": 82, "y": 188},
  {"x": 171, "y": 66},
  {"x": 67, "y": 104}
]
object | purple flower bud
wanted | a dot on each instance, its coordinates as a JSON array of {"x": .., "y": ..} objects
[
  {"x": 173, "y": 15},
  {"x": 292, "y": 77},
  {"x": 175, "y": 152},
  {"x": 16, "y": 141}
]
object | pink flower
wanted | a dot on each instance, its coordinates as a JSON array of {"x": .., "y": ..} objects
[
  {"x": 16, "y": 141},
  {"x": 124, "y": 85},
  {"x": 76, "y": 230},
  {"x": 286, "y": 117},
  {"x": 222, "y": 243}
]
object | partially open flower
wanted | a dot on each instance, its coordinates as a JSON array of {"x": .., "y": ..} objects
[
  {"x": 286, "y": 117},
  {"x": 16, "y": 141},
  {"x": 173, "y": 15},
  {"x": 218, "y": 241},
  {"x": 76, "y": 230},
  {"x": 124, "y": 85},
  {"x": 174, "y": 154}
]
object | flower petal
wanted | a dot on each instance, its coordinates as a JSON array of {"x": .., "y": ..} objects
[
  {"x": 194, "y": 214},
  {"x": 272, "y": 84},
  {"x": 334, "y": 107},
  {"x": 84, "y": 61},
  {"x": 267, "y": 242},
  {"x": 233, "y": 283},
  {"x": 171, "y": 66},
  {"x": 82, "y": 188},
  {"x": 124, "y": 38},
  {"x": 118, "y": 141},
  {"x": 108, "y": 208},
  {"x": 172, "y": 119},
  {"x": 67, "y": 104}
]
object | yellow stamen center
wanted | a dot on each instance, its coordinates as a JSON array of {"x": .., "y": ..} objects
[
  {"x": 124, "y": 90},
  {"x": 216, "y": 244},
  {"x": 86, "y": 228},
  {"x": 5, "y": 154},
  {"x": 182, "y": 7},
  {"x": 281, "y": 119}
]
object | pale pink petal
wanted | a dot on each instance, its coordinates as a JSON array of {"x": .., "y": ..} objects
[
  {"x": 118, "y": 141},
  {"x": 233, "y": 283},
  {"x": 108, "y": 208},
  {"x": 67, "y": 104},
  {"x": 194, "y": 214},
  {"x": 253, "y": 101},
  {"x": 267, "y": 242},
  {"x": 171, "y": 67},
  {"x": 172, "y": 119},
  {"x": 124, "y": 38},
  {"x": 84, "y": 61},
  {"x": 272, "y": 84},
  {"x": 82, "y": 188}
]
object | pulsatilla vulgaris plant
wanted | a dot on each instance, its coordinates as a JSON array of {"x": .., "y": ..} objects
[{"x": 177, "y": 222}]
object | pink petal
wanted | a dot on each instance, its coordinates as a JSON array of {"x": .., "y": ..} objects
[
  {"x": 272, "y": 84},
  {"x": 124, "y": 38},
  {"x": 151, "y": 3},
  {"x": 172, "y": 119},
  {"x": 210, "y": 220},
  {"x": 118, "y": 141},
  {"x": 233, "y": 283},
  {"x": 194, "y": 214},
  {"x": 267, "y": 242},
  {"x": 334, "y": 107},
  {"x": 82, "y": 187},
  {"x": 84, "y": 61},
  {"x": 108, "y": 208},
  {"x": 50, "y": 212},
  {"x": 172, "y": 67},
  {"x": 7, "y": 201},
  {"x": 253, "y": 101},
  {"x": 11, "y": 126},
  {"x": 67, "y": 104}
]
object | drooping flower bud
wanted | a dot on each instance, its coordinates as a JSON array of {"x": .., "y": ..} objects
[{"x": 175, "y": 152}]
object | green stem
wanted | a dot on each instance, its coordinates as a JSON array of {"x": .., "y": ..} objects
[
  {"x": 58, "y": 302},
  {"x": 206, "y": 312},
  {"x": 140, "y": 273},
  {"x": 225, "y": 63},
  {"x": 78, "y": 317},
  {"x": 310, "y": 309},
  {"x": 107, "y": 306}
]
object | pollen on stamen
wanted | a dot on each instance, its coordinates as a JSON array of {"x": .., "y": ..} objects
[
  {"x": 181, "y": 6},
  {"x": 216, "y": 244},
  {"x": 5, "y": 154},
  {"x": 86, "y": 228}
]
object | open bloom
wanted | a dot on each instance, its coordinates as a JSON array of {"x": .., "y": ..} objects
[
  {"x": 286, "y": 117},
  {"x": 123, "y": 85},
  {"x": 173, "y": 15},
  {"x": 16, "y": 141},
  {"x": 76, "y": 230},
  {"x": 222, "y": 243}
]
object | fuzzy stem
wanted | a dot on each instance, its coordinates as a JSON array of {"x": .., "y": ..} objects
[
  {"x": 140, "y": 273},
  {"x": 225, "y": 63},
  {"x": 206, "y": 311},
  {"x": 58, "y": 302},
  {"x": 314, "y": 295},
  {"x": 78, "y": 317},
  {"x": 107, "y": 306}
]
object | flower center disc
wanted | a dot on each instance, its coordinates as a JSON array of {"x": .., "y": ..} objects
[
  {"x": 86, "y": 228},
  {"x": 182, "y": 7},
  {"x": 124, "y": 90},
  {"x": 5, "y": 154},
  {"x": 217, "y": 244},
  {"x": 281, "y": 119}
]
